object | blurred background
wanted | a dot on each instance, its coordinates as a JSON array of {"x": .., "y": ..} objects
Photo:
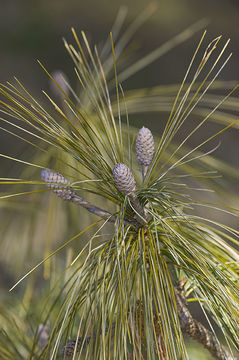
[{"x": 31, "y": 30}]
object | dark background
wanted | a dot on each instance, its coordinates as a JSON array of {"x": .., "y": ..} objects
[{"x": 31, "y": 30}]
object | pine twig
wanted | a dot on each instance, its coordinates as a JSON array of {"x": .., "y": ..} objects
[
  {"x": 104, "y": 214},
  {"x": 189, "y": 325},
  {"x": 62, "y": 188},
  {"x": 140, "y": 213},
  {"x": 197, "y": 331}
]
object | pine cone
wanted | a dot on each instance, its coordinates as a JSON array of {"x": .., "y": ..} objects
[
  {"x": 61, "y": 80},
  {"x": 124, "y": 179},
  {"x": 145, "y": 146},
  {"x": 55, "y": 182}
]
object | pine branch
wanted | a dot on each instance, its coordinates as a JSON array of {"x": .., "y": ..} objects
[
  {"x": 104, "y": 214},
  {"x": 62, "y": 188},
  {"x": 197, "y": 331},
  {"x": 189, "y": 325}
]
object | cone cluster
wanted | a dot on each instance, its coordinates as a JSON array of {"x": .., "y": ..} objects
[
  {"x": 124, "y": 179},
  {"x": 145, "y": 146},
  {"x": 57, "y": 183}
]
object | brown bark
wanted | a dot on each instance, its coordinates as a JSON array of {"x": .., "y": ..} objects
[{"x": 197, "y": 331}]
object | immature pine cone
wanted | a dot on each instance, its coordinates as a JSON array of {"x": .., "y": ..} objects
[
  {"x": 61, "y": 79},
  {"x": 124, "y": 179},
  {"x": 145, "y": 146},
  {"x": 53, "y": 179}
]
